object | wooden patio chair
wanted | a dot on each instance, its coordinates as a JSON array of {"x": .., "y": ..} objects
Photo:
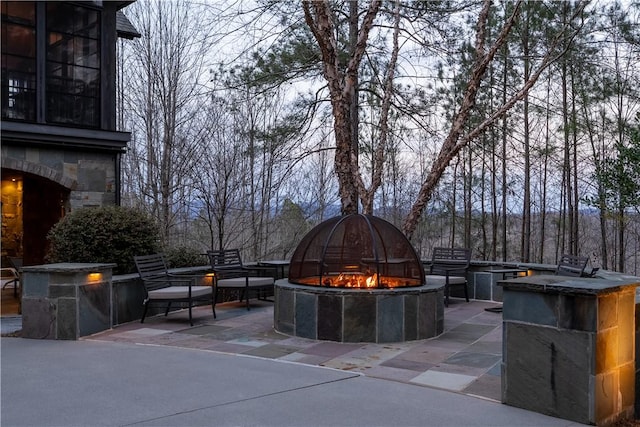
[
  {"x": 449, "y": 268},
  {"x": 230, "y": 274},
  {"x": 10, "y": 275},
  {"x": 572, "y": 265},
  {"x": 163, "y": 287}
]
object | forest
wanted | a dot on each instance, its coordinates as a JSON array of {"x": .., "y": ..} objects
[{"x": 509, "y": 127}]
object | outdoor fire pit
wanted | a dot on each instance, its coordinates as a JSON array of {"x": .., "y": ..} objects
[{"x": 357, "y": 278}]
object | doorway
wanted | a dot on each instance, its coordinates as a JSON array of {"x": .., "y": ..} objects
[{"x": 30, "y": 206}]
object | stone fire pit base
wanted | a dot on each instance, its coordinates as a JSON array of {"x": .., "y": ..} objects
[{"x": 359, "y": 315}]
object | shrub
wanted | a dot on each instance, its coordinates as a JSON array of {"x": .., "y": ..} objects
[
  {"x": 183, "y": 256},
  {"x": 109, "y": 234}
]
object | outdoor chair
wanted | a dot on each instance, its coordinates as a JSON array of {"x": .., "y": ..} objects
[
  {"x": 230, "y": 274},
  {"x": 449, "y": 268},
  {"x": 163, "y": 287},
  {"x": 571, "y": 265},
  {"x": 10, "y": 276}
]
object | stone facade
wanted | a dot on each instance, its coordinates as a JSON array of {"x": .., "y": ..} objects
[
  {"x": 66, "y": 301},
  {"x": 357, "y": 315},
  {"x": 89, "y": 177},
  {"x": 569, "y": 347},
  {"x": 60, "y": 145}
]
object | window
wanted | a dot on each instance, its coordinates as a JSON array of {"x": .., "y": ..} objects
[
  {"x": 73, "y": 65},
  {"x": 18, "y": 61},
  {"x": 69, "y": 90}
]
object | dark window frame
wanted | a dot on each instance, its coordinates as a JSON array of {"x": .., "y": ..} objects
[
  {"x": 71, "y": 100},
  {"x": 86, "y": 81},
  {"x": 19, "y": 83}
]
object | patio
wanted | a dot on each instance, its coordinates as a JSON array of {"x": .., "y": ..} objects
[{"x": 464, "y": 359}]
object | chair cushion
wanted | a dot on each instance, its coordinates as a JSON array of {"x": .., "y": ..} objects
[
  {"x": 433, "y": 279},
  {"x": 179, "y": 292},
  {"x": 9, "y": 283},
  {"x": 240, "y": 282}
]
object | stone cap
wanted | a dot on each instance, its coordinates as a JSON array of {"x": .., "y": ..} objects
[
  {"x": 68, "y": 267},
  {"x": 570, "y": 285},
  {"x": 404, "y": 290}
]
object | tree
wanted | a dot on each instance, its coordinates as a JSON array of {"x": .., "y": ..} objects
[
  {"x": 291, "y": 225},
  {"x": 620, "y": 181},
  {"x": 166, "y": 66},
  {"x": 342, "y": 78},
  {"x": 456, "y": 139},
  {"x": 492, "y": 106}
]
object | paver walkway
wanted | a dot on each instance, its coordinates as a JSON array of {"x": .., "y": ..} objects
[{"x": 464, "y": 359}]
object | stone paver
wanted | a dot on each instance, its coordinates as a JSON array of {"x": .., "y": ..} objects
[{"x": 464, "y": 359}]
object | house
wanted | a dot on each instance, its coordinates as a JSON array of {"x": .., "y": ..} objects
[{"x": 60, "y": 149}]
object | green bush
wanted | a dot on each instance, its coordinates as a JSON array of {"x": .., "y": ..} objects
[
  {"x": 109, "y": 234},
  {"x": 183, "y": 256}
]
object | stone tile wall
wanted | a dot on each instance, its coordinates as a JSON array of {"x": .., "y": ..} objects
[
  {"x": 91, "y": 177},
  {"x": 569, "y": 348},
  {"x": 343, "y": 315},
  {"x": 66, "y": 301}
]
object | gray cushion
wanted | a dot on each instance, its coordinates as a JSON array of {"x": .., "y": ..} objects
[
  {"x": 176, "y": 292},
  {"x": 240, "y": 282},
  {"x": 433, "y": 279}
]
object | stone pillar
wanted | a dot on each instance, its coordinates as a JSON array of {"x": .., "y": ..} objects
[
  {"x": 66, "y": 301},
  {"x": 568, "y": 347}
]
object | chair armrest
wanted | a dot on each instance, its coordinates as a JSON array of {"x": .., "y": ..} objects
[
  {"x": 169, "y": 280},
  {"x": 448, "y": 271},
  {"x": 272, "y": 269},
  {"x": 185, "y": 276},
  {"x": 235, "y": 271}
]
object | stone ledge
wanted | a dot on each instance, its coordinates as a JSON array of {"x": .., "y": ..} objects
[
  {"x": 67, "y": 267},
  {"x": 569, "y": 285}
]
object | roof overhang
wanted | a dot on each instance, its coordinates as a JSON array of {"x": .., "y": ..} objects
[
  {"x": 62, "y": 137},
  {"x": 122, "y": 4}
]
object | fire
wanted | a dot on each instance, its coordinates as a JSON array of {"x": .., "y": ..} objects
[
  {"x": 372, "y": 281},
  {"x": 356, "y": 280}
]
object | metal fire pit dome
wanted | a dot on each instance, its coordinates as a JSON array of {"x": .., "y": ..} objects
[{"x": 356, "y": 251}]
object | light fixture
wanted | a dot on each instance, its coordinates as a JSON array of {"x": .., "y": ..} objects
[{"x": 94, "y": 277}]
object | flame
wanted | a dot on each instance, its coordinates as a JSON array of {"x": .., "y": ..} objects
[
  {"x": 346, "y": 280},
  {"x": 360, "y": 281},
  {"x": 372, "y": 281}
]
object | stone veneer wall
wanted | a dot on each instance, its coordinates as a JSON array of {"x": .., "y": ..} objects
[
  {"x": 359, "y": 315},
  {"x": 91, "y": 177},
  {"x": 569, "y": 347},
  {"x": 66, "y": 301}
]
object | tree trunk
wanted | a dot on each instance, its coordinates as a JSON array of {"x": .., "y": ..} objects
[
  {"x": 525, "y": 247},
  {"x": 575, "y": 236},
  {"x": 468, "y": 182},
  {"x": 503, "y": 146},
  {"x": 353, "y": 102},
  {"x": 342, "y": 87}
]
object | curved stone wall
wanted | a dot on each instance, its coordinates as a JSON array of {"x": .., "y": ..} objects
[{"x": 358, "y": 315}]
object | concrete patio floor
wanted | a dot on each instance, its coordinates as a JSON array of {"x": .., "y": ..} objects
[{"x": 464, "y": 359}]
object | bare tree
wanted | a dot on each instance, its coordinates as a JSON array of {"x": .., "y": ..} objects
[
  {"x": 456, "y": 140},
  {"x": 162, "y": 81}
]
